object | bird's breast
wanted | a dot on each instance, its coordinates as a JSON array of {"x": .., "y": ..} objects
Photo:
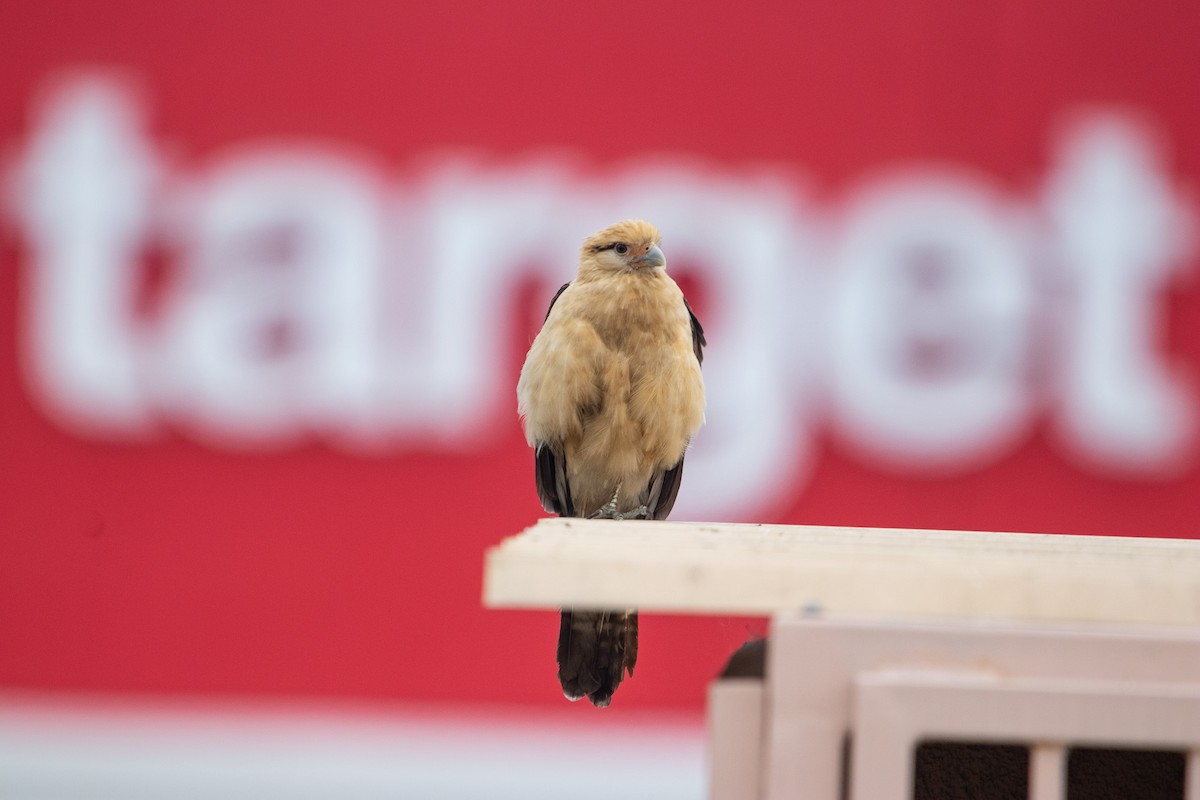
[
  {"x": 652, "y": 390},
  {"x": 636, "y": 314}
]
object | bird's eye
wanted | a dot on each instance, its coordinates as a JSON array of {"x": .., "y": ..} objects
[{"x": 620, "y": 248}]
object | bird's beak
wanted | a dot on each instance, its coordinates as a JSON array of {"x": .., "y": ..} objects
[{"x": 653, "y": 258}]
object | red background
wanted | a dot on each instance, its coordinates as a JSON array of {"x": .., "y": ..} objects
[{"x": 171, "y": 567}]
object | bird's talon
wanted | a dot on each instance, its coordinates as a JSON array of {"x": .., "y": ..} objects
[{"x": 609, "y": 509}]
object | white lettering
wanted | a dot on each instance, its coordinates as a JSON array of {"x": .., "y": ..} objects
[
  {"x": 1120, "y": 232},
  {"x": 84, "y": 190},
  {"x": 930, "y": 324},
  {"x": 272, "y": 326},
  {"x": 303, "y": 298}
]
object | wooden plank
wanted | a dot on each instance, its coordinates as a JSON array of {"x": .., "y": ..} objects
[
  {"x": 735, "y": 735},
  {"x": 1048, "y": 772},
  {"x": 762, "y": 569}
]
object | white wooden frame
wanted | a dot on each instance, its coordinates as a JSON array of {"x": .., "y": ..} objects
[
  {"x": 894, "y": 710},
  {"x": 822, "y": 671}
]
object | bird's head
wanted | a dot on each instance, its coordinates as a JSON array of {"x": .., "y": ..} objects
[{"x": 629, "y": 246}]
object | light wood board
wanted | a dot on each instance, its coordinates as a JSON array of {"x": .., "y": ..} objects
[{"x": 722, "y": 568}]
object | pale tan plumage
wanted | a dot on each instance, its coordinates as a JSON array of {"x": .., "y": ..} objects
[{"x": 611, "y": 396}]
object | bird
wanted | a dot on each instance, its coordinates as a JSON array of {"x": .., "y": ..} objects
[{"x": 610, "y": 396}]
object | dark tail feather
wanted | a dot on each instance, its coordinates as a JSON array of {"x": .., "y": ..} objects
[{"x": 596, "y": 649}]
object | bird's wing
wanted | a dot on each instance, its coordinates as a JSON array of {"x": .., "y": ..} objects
[
  {"x": 563, "y": 288},
  {"x": 550, "y": 475},
  {"x": 698, "y": 340},
  {"x": 550, "y": 464},
  {"x": 664, "y": 487}
]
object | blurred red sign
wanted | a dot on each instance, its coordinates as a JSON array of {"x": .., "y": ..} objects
[{"x": 259, "y": 343}]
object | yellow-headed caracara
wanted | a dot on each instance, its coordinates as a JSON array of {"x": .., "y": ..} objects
[{"x": 611, "y": 395}]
